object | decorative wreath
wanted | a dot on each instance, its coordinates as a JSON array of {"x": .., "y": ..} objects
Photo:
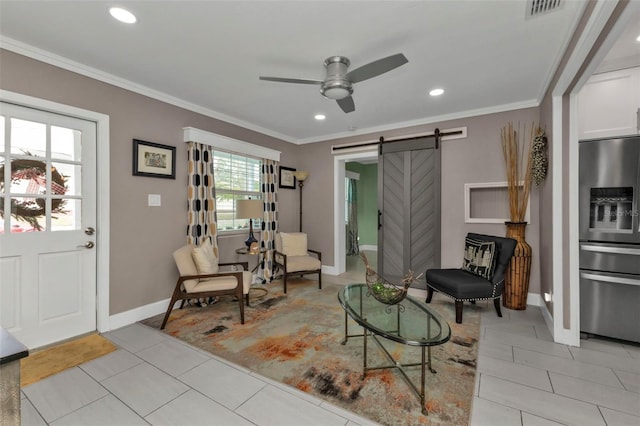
[{"x": 29, "y": 210}]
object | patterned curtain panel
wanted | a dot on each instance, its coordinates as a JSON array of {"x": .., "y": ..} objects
[
  {"x": 352, "y": 225},
  {"x": 269, "y": 190},
  {"x": 201, "y": 196}
]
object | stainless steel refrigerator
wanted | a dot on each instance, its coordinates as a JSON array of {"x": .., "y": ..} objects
[{"x": 610, "y": 237}]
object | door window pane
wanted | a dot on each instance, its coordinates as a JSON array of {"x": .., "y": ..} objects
[
  {"x": 65, "y": 143},
  {"x": 66, "y": 179},
  {"x": 28, "y": 214},
  {"x": 67, "y": 215},
  {"x": 1, "y": 133},
  {"x": 28, "y": 176},
  {"x": 28, "y": 138},
  {"x": 2, "y": 183}
]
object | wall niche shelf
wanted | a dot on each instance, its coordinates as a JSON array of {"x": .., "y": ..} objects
[{"x": 487, "y": 203}]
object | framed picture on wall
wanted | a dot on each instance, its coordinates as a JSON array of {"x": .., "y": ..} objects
[
  {"x": 286, "y": 178},
  {"x": 154, "y": 160}
]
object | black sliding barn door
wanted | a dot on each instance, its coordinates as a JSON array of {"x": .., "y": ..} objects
[{"x": 409, "y": 208}]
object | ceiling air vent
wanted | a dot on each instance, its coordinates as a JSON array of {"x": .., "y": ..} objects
[{"x": 541, "y": 7}]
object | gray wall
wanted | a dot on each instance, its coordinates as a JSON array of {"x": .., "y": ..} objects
[
  {"x": 141, "y": 270},
  {"x": 143, "y": 238},
  {"x": 475, "y": 159}
]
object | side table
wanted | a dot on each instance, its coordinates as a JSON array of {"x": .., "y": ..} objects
[
  {"x": 260, "y": 252},
  {"x": 245, "y": 251}
]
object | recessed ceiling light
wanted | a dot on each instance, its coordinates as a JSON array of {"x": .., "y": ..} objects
[
  {"x": 436, "y": 92},
  {"x": 123, "y": 15},
  {"x": 638, "y": 39},
  {"x": 320, "y": 117}
]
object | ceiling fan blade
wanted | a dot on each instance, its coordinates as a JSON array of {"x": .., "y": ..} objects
[
  {"x": 375, "y": 68},
  {"x": 346, "y": 104},
  {"x": 291, "y": 80}
]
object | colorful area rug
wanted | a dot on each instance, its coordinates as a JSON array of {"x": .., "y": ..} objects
[
  {"x": 296, "y": 339},
  {"x": 47, "y": 362}
]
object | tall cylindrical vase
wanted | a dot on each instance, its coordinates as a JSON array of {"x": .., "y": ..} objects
[{"x": 516, "y": 283}]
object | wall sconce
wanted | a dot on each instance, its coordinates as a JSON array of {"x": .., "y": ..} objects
[
  {"x": 301, "y": 176},
  {"x": 249, "y": 209}
]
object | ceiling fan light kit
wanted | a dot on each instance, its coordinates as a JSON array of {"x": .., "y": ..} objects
[
  {"x": 335, "y": 85},
  {"x": 338, "y": 83}
]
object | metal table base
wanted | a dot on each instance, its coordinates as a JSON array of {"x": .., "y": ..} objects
[{"x": 423, "y": 364}]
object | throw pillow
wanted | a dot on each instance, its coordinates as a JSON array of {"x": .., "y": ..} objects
[
  {"x": 294, "y": 244},
  {"x": 206, "y": 262},
  {"x": 479, "y": 257}
]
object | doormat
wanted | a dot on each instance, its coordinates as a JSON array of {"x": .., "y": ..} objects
[
  {"x": 47, "y": 362},
  {"x": 296, "y": 339}
]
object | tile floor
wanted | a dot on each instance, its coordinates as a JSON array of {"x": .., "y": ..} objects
[{"x": 523, "y": 378}]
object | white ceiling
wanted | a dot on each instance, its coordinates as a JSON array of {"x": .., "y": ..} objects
[{"x": 207, "y": 55}]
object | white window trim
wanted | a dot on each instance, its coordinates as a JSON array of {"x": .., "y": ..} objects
[{"x": 224, "y": 143}]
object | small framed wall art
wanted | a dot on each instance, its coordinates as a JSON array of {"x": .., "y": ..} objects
[
  {"x": 154, "y": 160},
  {"x": 286, "y": 179}
]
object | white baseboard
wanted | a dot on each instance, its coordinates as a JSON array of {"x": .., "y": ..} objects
[
  {"x": 534, "y": 299},
  {"x": 329, "y": 270},
  {"x": 138, "y": 314}
]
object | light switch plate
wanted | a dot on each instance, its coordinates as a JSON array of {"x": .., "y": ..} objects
[{"x": 154, "y": 200}]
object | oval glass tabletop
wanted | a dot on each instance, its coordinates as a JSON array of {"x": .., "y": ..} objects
[{"x": 410, "y": 322}]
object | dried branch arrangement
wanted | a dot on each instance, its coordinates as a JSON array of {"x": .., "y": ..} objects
[{"x": 519, "y": 176}]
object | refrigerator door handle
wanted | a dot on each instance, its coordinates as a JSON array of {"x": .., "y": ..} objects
[
  {"x": 609, "y": 279},
  {"x": 609, "y": 249}
]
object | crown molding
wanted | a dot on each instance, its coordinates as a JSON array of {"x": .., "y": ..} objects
[
  {"x": 87, "y": 71},
  {"x": 429, "y": 120}
]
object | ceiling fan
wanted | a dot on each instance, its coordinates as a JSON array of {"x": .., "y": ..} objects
[{"x": 338, "y": 83}]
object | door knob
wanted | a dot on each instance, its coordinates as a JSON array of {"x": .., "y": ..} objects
[
  {"x": 88, "y": 244},
  {"x": 89, "y": 231}
]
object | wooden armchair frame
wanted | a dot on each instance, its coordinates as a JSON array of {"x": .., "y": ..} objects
[
  {"x": 285, "y": 274},
  {"x": 179, "y": 293}
]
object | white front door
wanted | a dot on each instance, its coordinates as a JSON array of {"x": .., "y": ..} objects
[{"x": 47, "y": 225}]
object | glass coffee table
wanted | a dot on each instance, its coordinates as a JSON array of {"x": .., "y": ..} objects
[{"x": 409, "y": 322}]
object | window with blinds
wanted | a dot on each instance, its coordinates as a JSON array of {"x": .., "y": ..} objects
[{"x": 237, "y": 177}]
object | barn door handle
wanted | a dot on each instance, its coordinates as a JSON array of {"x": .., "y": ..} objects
[{"x": 379, "y": 219}]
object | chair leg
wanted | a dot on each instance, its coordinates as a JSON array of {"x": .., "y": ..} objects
[
  {"x": 320, "y": 280},
  {"x": 172, "y": 302},
  {"x": 459, "y": 311},
  {"x": 496, "y": 303},
  {"x": 240, "y": 302},
  {"x": 429, "y": 294},
  {"x": 284, "y": 279},
  {"x": 247, "y": 299}
]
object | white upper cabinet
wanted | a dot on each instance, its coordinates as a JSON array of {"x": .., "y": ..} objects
[{"x": 609, "y": 104}]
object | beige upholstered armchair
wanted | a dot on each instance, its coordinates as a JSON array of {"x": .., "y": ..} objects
[
  {"x": 201, "y": 277},
  {"x": 294, "y": 258}
]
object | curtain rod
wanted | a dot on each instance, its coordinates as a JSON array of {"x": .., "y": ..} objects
[{"x": 436, "y": 134}]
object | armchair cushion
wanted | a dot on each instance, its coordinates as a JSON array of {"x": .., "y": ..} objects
[
  {"x": 294, "y": 244},
  {"x": 460, "y": 284},
  {"x": 479, "y": 257},
  {"x": 224, "y": 283},
  {"x": 186, "y": 266},
  {"x": 302, "y": 263},
  {"x": 204, "y": 258}
]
